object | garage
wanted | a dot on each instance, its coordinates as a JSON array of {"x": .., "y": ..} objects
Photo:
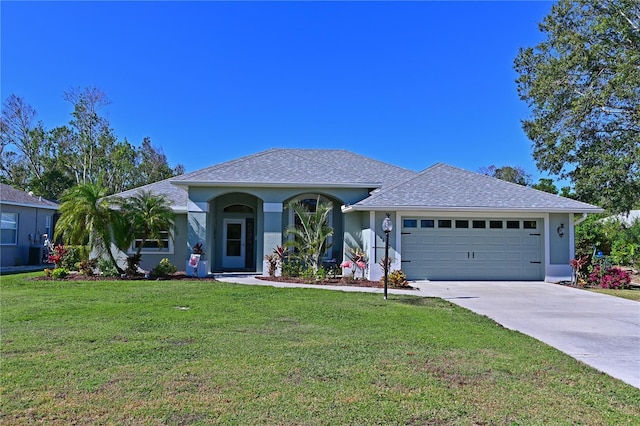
[{"x": 445, "y": 248}]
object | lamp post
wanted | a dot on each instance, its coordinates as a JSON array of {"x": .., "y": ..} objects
[{"x": 387, "y": 226}]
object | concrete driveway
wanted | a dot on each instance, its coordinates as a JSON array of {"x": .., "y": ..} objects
[{"x": 601, "y": 331}]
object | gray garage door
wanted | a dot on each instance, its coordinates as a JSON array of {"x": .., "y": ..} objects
[{"x": 472, "y": 249}]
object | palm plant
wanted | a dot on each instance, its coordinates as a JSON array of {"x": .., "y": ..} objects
[
  {"x": 148, "y": 216},
  {"x": 86, "y": 218},
  {"x": 310, "y": 235}
]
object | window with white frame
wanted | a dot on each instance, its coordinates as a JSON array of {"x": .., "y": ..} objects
[
  {"x": 9, "y": 229},
  {"x": 47, "y": 226},
  {"x": 163, "y": 245}
]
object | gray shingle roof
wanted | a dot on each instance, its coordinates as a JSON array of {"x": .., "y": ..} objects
[
  {"x": 316, "y": 167},
  {"x": 177, "y": 196},
  {"x": 10, "y": 195},
  {"x": 443, "y": 187}
]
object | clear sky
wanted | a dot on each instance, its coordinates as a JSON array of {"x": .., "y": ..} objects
[{"x": 411, "y": 83}]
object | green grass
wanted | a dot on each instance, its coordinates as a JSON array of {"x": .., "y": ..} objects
[
  {"x": 631, "y": 294},
  {"x": 197, "y": 352}
]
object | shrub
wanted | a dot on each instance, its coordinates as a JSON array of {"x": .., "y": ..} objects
[
  {"x": 164, "y": 268},
  {"x": 614, "y": 278},
  {"x": 87, "y": 266},
  {"x": 292, "y": 268},
  {"x": 57, "y": 257},
  {"x": 106, "y": 267},
  {"x": 59, "y": 273},
  {"x": 397, "y": 278}
]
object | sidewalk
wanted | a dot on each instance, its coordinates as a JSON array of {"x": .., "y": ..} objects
[{"x": 8, "y": 270}]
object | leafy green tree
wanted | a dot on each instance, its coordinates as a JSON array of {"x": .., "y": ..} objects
[
  {"x": 311, "y": 233},
  {"x": 582, "y": 84},
  {"x": 507, "y": 173},
  {"x": 148, "y": 216},
  {"x": 546, "y": 185},
  {"x": 86, "y": 217}
]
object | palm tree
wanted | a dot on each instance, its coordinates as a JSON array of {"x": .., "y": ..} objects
[
  {"x": 148, "y": 216},
  {"x": 310, "y": 235},
  {"x": 86, "y": 218}
]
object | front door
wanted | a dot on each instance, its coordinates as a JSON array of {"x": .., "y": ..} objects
[{"x": 233, "y": 252}]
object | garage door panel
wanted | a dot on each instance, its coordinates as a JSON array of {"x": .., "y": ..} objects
[{"x": 473, "y": 254}]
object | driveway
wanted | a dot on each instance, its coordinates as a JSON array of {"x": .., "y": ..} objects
[{"x": 601, "y": 331}]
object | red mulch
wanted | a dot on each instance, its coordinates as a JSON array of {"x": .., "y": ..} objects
[
  {"x": 183, "y": 277},
  {"x": 333, "y": 281}
]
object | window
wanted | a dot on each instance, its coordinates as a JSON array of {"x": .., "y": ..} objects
[
  {"x": 495, "y": 224},
  {"x": 9, "y": 229},
  {"x": 479, "y": 224},
  {"x": 47, "y": 226},
  {"x": 164, "y": 245},
  {"x": 410, "y": 223},
  {"x": 240, "y": 208},
  {"x": 513, "y": 224},
  {"x": 427, "y": 223},
  {"x": 444, "y": 223},
  {"x": 462, "y": 223},
  {"x": 529, "y": 224}
]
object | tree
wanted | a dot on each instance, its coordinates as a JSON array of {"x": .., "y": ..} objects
[
  {"x": 582, "y": 84},
  {"x": 86, "y": 217},
  {"x": 148, "y": 216},
  {"x": 86, "y": 150},
  {"x": 310, "y": 235},
  {"x": 546, "y": 185},
  {"x": 153, "y": 165},
  {"x": 507, "y": 173}
]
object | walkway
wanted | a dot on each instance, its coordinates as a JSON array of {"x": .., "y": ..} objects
[{"x": 601, "y": 331}]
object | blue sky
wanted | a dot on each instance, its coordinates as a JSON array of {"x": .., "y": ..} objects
[{"x": 411, "y": 83}]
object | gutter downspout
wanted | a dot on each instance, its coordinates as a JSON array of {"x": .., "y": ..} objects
[{"x": 579, "y": 221}]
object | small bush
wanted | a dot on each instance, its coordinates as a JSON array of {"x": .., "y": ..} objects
[
  {"x": 614, "y": 278},
  {"x": 59, "y": 273},
  {"x": 87, "y": 266},
  {"x": 164, "y": 268},
  {"x": 397, "y": 278},
  {"x": 292, "y": 268},
  {"x": 106, "y": 267}
]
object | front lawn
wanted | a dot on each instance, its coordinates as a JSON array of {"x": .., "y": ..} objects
[{"x": 201, "y": 352}]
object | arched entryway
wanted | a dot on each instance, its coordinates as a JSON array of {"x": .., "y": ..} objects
[{"x": 234, "y": 232}]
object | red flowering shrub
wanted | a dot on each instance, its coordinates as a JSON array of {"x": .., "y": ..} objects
[
  {"x": 614, "y": 278},
  {"x": 57, "y": 257}
]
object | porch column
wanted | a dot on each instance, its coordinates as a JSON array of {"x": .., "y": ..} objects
[
  {"x": 197, "y": 233},
  {"x": 272, "y": 230}
]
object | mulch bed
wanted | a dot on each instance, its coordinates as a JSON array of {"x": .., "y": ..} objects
[
  {"x": 350, "y": 282},
  {"x": 181, "y": 276}
]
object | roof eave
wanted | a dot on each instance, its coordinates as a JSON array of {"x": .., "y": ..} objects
[
  {"x": 367, "y": 185},
  {"x": 36, "y": 206},
  {"x": 350, "y": 208}
]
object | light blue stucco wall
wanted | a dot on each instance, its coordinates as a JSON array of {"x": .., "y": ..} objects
[
  {"x": 180, "y": 252},
  {"x": 206, "y": 216},
  {"x": 558, "y": 246}
]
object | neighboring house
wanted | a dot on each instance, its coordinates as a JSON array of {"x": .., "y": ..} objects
[
  {"x": 626, "y": 219},
  {"x": 25, "y": 221},
  {"x": 449, "y": 223}
]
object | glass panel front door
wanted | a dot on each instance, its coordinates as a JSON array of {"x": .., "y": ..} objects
[{"x": 234, "y": 243}]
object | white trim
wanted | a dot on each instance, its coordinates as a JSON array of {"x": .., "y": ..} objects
[
  {"x": 168, "y": 249},
  {"x": 35, "y": 206},
  {"x": 309, "y": 185},
  {"x": 15, "y": 229},
  {"x": 372, "y": 243},
  {"x": 198, "y": 206},
  {"x": 468, "y": 210},
  {"x": 272, "y": 207}
]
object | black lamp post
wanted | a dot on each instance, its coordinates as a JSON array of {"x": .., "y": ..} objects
[{"x": 387, "y": 226}]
